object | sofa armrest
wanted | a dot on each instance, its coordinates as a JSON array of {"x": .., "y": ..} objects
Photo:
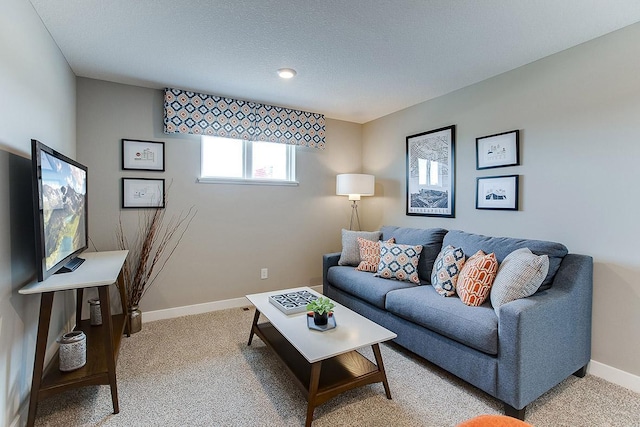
[
  {"x": 545, "y": 338},
  {"x": 328, "y": 260}
]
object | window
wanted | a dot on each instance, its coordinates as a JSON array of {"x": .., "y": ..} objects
[{"x": 253, "y": 162}]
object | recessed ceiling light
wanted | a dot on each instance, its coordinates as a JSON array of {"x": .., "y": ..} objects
[{"x": 286, "y": 73}]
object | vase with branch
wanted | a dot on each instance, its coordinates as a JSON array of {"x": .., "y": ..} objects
[{"x": 151, "y": 248}]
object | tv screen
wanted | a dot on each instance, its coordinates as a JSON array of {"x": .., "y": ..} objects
[{"x": 60, "y": 205}]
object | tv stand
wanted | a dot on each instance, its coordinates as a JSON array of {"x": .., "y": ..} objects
[
  {"x": 70, "y": 266},
  {"x": 101, "y": 270}
]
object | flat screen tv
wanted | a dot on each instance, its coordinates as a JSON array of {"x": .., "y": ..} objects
[{"x": 60, "y": 210}]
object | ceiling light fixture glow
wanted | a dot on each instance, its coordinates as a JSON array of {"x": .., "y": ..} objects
[{"x": 286, "y": 73}]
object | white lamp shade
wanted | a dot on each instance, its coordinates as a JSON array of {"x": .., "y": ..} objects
[{"x": 355, "y": 185}]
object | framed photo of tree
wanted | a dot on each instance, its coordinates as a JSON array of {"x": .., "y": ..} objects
[{"x": 431, "y": 173}]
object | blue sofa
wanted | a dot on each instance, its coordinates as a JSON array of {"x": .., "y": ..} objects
[{"x": 533, "y": 345}]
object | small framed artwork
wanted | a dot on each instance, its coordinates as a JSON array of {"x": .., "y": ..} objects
[
  {"x": 497, "y": 192},
  {"x": 430, "y": 173},
  {"x": 499, "y": 150},
  {"x": 142, "y": 193},
  {"x": 142, "y": 155}
]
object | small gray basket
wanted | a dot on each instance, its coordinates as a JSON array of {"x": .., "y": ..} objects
[{"x": 73, "y": 351}]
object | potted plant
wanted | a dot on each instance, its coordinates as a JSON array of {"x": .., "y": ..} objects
[{"x": 321, "y": 308}]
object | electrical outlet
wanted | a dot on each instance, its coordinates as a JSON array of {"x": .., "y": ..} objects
[{"x": 264, "y": 273}]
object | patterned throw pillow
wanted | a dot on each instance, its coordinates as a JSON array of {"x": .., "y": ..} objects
[
  {"x": 446, "y": 270},
  {"x": 520, "y": 275},
  {"x": 476, "y": 278},
  {"x": 370, "y": 254},
  {"x": 399, "y": 262},
  {"x": 350, "y": 251}
]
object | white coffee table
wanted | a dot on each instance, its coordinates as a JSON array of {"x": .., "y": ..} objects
[{"x": 324, "y": 363}]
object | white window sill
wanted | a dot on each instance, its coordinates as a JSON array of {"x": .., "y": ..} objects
[{"x": 242, "y": 181}]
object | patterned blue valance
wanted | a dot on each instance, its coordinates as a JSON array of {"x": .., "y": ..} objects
[{"x": 201, "y": 114}]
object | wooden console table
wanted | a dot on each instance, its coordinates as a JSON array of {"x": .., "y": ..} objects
[{"x": 101, "y": 269}]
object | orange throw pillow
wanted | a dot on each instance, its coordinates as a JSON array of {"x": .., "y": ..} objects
[
  {"x": 370, "y": 254},
  {"x": 476, "y": 277}
]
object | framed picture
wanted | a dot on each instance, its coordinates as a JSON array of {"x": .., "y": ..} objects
[
  {"x": 142, "y": 155},
  {"x": 430, "y": 173},
  {"x": 498, "y": 151},
  {"x": 142, "y": 193},
  {"x": 497, "y": 192}
]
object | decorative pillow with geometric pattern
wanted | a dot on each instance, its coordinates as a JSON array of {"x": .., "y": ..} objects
[
  {"x": 370, "y": 254},
  {"x": 520, "y": 275},
  {"x": 476, "y": 278},
  {"x": 399, "y": 262},
  {"x": 446, "y": 270}
]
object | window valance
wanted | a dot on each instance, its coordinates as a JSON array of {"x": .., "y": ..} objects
[{"x": 202, "y": 114}]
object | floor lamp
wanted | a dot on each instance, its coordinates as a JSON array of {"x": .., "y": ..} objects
[{"x": 355, "y": 185}]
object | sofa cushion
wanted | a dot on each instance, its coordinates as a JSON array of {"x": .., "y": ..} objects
[
  {"x": 519, "y": 276},
  {"x": 429, "y": 238},
  {"x": 476, "y": 278},
  {"x": 369, "y": 254},
  {"x": 503, "y": 246},
  {"x": 476, "y": 327},
  {"x": 364, "y": 285},
  {"x": 447, "y": 269},
  {"x": 350, "y": 250},
  {"x": 399, "y": 262}
]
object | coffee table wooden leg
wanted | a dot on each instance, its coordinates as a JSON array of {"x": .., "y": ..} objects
[
  {"x": 313, "y": 389},
  {"x": 376, "y": 352},
  {"x": 254, "y": 325}
]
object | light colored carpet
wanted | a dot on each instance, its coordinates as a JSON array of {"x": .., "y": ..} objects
[{"x": 199, "y": 371}]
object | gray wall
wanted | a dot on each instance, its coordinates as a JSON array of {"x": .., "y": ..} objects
[
  {"x": 38, "y": 101},
  {"x": 238, "y": 228},
  {"x": 579, "y": 116}
]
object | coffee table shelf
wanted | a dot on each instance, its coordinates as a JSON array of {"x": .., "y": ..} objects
[{"x": 338, "y": 374}]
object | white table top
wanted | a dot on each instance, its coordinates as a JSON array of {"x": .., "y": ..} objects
[
  {"x": 353, "y": 331},
  {"x": 99, "y": 268}
]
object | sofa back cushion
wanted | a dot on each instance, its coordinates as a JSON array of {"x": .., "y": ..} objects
[
  {"x": 503, "y": 246},
  {"x": 429, "y": 238}
]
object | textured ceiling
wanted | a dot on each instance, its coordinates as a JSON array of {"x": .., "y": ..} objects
[{"x": 357, "y": 60}]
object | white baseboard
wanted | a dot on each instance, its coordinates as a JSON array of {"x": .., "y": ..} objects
[
  {"x": 615, "y": 375},
  {"x": 206, "y": 307},
  {"x": 606, "y": 372}
]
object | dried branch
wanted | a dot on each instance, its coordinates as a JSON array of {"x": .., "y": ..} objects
[{"x": 152, "y": 248}]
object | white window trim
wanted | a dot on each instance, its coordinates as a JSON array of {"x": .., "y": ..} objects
[
  {"x": 249, "y": 181},
  {"x": 247, "y": 157}
]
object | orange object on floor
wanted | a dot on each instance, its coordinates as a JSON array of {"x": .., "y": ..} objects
[{"x": 494, "y": 421}]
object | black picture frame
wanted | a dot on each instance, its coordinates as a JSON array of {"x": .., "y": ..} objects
[
  {"x": 498, "y": 192},
  {"x": 430, "y": 178},
  {"x": 140, "y": 193},
  {"x": 498, "y": 151},
  {"x": 142, "y": 155}
]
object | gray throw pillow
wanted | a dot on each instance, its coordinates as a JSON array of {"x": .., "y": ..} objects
[
  {"x": 350, "y": 250},
  {"x": 520, "y": 275}
]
